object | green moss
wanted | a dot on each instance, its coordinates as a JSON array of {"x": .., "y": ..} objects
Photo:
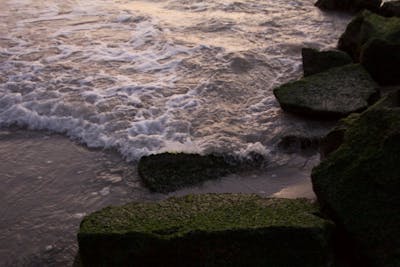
[
  {"x": 202, "y": 212},
  {"x": 334, "y": 93},
  {"x": 367, "y": 26},
  {"x": 315, "y": 61},
  {"x": 359, "y": 183},
  {"x": 207, "y": 230},
  {"x": 168, "y": 172}
]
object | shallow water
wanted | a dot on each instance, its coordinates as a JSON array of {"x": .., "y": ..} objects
[
  {"x": 148, "y": 76},
  {"x": 140, "y": 77}
]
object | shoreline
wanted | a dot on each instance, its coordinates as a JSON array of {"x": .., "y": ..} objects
[{"x": 51, "y": 182}]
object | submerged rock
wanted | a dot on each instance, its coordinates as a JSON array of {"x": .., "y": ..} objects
[
  {"x": 168, "y": 172},
  {"x": 240, "y": 64},
  {"x": 299, "y": 143},
  {"x": 390, "y": 9},
  {"x": 207, "y": 230},
  {"x": 382, "y": 60},
  {"x": 358, "y": 184},
  {"x": 349, "y": 5},
  {"x": 315, "y": 61},
  {"x": 331, "y": 94},
  {"x": 365, "y": 27}
]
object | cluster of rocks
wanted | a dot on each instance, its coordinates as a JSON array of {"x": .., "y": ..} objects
[
  {"x": 339, "y": 82},
  {"x": 358, "y": 179},
  {"x": 356, "y": 183}
]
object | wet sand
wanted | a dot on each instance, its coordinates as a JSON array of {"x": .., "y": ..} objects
[{"x": 48, "y": 183}]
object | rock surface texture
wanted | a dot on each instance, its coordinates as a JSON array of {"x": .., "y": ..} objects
[
  {"x": 331, "y": 94},
  {"x": 365, "y": 27},
  {"x": 315, "y": 61},
  {"x": 374, "y": 41},
  {"x": 168, "y": 172},
  {"x": 207, "y": 230},
  {"x": 358, "y": 184}
]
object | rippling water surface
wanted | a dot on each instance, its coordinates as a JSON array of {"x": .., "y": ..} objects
[
  {"x": 138, "y": 77},
  {"x": 149, "y": 76}
]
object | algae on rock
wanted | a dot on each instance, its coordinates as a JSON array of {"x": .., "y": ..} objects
[
  {"x": 168, "y": 172},
  {"x": 315, "y": 61},
  {"x": 374, "y": 41},
  {"x": 207, "y": 230},
  {"x": 365, "y": 27},
  {"x": 358, "y": 184},
  {"x": 331, "y": 94}
]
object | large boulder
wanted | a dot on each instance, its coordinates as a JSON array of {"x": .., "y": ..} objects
[
  {"x": 315, "y": 61},
  {"x": 390, "y": 9},
  {"x": 168, "y": 172},
  {"x": 349, "y": 5},
  {"x": 207, "y": 230},
  {"x": 382, "y": 60},
  {"x": 331, "y": 94},
  {"x": 365, "y": 27},
  {"x": 358, "y": 184}
]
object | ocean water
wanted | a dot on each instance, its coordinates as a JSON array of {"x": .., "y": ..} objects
[
  {"x": 135, "y": 78},
  {"x": 143, "y": 77}
]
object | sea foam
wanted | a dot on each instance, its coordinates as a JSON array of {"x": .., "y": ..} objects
[{"x": 146, "y": 77}]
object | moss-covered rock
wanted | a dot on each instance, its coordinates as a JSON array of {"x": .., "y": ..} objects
[
  {"x": 382, "y": 60},
  {"x": 358, "y": 184},
  {"x": 365, "y": 27},
  {"x": 334, "y": 139},
  {"x": 334, "y": 93},
  {"x": 207, "y": 230},
  {"x": 168, "y": 172},
  {"x": 390, "y": 9},
  {"x": 349, "y": 5},
  {"x": 315, "y": 61}
]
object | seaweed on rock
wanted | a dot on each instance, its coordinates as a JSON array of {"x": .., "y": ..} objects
[
  {"x": 168, "y": 172},
  {"x": 207, "y": 230},
  {"x": 358, "y": 184},
  {"x": 331, "y": 94}
]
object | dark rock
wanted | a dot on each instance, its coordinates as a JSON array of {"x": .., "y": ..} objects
[
  {"x": 365, "y": 27},
  {"x": 382, "y": 60},
  {"x": 215, "y": 230},
  {"x": 390, "y": 9},
  {"x": 335, "y": 138},
  {"x": 168, "y": 172},
  {"x": 349, "y": 5},
  {"x": 391, "y": 99},
  {"x": 358, "y": 184},
  {"x": 315, "y": 61},
  {"x": 297, "y": 143},
  {"x": 331, "y": 94},
  {"x": 240, "y": 65}
]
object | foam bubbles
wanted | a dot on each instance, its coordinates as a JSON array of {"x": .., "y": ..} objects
[{"x": 146, "y": 77}]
